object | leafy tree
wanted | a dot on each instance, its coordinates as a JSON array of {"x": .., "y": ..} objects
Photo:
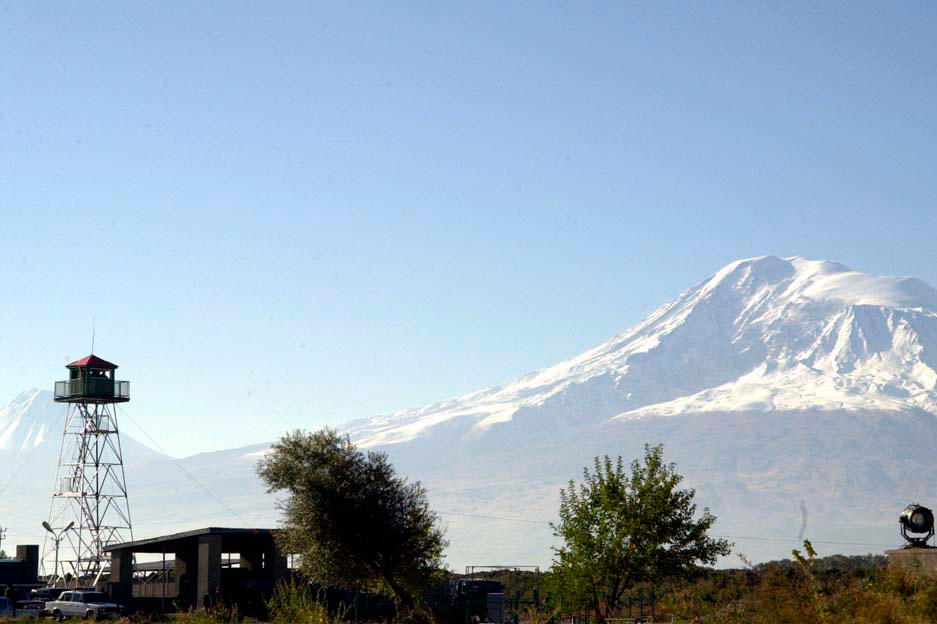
[
  {"x": 353, "y": 520},
  {"x": 619, "y": 529}
]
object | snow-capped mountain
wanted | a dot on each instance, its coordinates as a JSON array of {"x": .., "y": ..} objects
[
  {"x": 37, "y": 410},
  {"x": 766, "y": 334},
  {"x": 798, "y": 397},
  {"x": 774, "y": 384}
]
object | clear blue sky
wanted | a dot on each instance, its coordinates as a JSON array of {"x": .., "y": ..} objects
[{"x": 289, "y": 215}]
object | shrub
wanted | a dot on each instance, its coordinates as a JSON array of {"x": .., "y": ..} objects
[
  {"x": 416, "y": 616},
  {"x": 294, "y": 603},
  {"x": 216, "y": 615}
]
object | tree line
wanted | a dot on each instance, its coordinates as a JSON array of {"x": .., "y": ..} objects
[{"x": 355, "y": 523}]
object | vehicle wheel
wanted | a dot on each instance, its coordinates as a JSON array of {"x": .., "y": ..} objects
[
  {"x": 89, "y": 614},
  {"x": 57, "y": 616}
]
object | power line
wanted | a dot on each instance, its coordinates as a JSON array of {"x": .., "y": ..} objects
[
  {"x": 794, "y": 540},
  {"x": 798, "y": 541},
  {"x": 471, "y": 515},
  {"x": 182, "y": 468}
]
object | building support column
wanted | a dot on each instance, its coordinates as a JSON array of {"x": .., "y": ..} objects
[
  {"x": 209, "y": 568},
  {"x": 122, "y": 578},
  {"x": 275, "y": 564},
  {"x": 184, "y": 572}
]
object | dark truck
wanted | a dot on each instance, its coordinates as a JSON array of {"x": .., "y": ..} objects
[
  {"x": 21, "y": 600},
  {"x": 468, "y": 599}
]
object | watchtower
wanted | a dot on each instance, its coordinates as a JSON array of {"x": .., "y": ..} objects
[{"x": 90, "y": 509}]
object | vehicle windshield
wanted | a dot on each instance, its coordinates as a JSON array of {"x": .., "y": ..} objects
[{"x": 95, "y": 597}]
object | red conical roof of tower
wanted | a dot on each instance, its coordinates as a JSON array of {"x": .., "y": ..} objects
[{"x": 92, "y": 361}]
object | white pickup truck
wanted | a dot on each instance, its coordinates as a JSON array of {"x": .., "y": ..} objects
[{"x": 83, "y": 604}]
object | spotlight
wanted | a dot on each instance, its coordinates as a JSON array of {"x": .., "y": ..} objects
[{"x": 916, "y": 519}]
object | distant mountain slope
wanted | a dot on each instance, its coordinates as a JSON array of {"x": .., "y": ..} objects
[{"x": 163, "y": 497}]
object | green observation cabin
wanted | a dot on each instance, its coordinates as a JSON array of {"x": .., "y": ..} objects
[{"x": 91, "y": 380}]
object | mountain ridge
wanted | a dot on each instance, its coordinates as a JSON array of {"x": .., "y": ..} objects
[{"x": 761, "y": 318}]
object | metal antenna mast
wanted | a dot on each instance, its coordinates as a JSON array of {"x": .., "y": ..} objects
[{"x": 90, "y": 489}]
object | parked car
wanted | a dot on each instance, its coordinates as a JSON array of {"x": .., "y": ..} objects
[
  {"x": 45, "y": 594},
  {"x": 22, "y": 599},
  {"x": 9, "y": 609},
  {"x": 42, "y": 595},
  {"x": 22, "y": 602},
  {"x": 83, "y": 604}
]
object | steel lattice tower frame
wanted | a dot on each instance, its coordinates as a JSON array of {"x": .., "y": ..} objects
[{"x": 90, "y": 488}]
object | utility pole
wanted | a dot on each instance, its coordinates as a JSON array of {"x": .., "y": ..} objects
[
  {"x": 56, "y": 540},
  {"x": 3, "y": 534}
]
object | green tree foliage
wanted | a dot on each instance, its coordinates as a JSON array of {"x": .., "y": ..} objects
[
  {"x": 351, "y": 518},
  {"x": 619, "y": 529}
]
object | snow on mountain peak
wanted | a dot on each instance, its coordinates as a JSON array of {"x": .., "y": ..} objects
[
  {"x": 762, "y": 333},
  {"x": 798, "y": 278},
  {"x": 25, "y": 421}
]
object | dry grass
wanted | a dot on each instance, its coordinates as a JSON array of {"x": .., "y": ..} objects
[{"x": 798, "y": 595}]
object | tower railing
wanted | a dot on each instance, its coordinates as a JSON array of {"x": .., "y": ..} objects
[{"x": 99, "y": 387}]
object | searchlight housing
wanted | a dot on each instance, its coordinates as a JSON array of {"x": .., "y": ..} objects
[{"x": 917, "y": 525}]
